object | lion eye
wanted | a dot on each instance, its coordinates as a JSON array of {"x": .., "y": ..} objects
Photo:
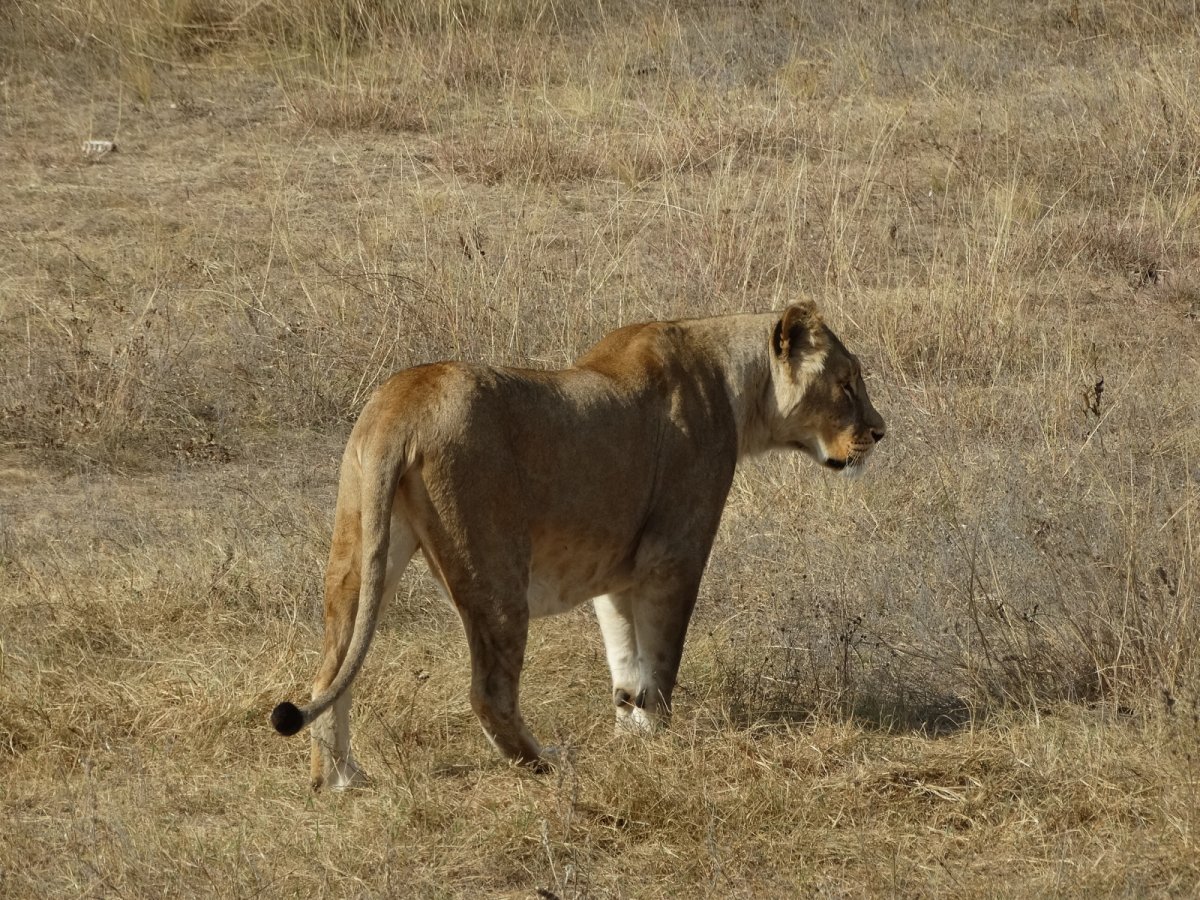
[{"x": 848, "y": 389}]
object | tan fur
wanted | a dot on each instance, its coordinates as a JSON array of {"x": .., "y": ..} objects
[{"x": 531, "y": 492}]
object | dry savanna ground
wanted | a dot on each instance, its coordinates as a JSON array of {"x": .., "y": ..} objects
[{"x": 972, "y": 672}]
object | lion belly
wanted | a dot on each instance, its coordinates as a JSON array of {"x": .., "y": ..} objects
[{"x": 560, "y": 581}]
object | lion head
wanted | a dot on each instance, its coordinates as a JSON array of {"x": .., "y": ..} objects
[{"x": 821, "y": 401}]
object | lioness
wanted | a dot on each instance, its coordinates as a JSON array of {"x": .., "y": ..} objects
[{"x": 530, "y": 492}]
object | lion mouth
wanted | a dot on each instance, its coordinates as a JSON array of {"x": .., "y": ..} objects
[
  {"x": 853, "y": 461},
  {"x": 853, "y": 464}
]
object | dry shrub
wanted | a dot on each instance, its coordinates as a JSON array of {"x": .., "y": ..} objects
[
  {"x": 200, "y": 25},
  {"x": 361, "y": 107},
  {"x": 521, "y": 155}
]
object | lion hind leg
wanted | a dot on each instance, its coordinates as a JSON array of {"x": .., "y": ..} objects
[
  {"x": 333, "y": 764},
  {"x": 497, "y": 644}
]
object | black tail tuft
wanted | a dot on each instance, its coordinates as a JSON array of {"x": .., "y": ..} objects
[{"x": 287, "y": 719}]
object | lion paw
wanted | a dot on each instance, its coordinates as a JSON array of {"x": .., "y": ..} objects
[
  {"x": 637, "y": 721},
  {"x": 343, "y": 778}
]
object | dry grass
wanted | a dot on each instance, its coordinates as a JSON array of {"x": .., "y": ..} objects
[{"x": 972, "y": 672}]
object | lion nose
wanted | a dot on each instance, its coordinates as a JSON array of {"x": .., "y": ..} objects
[{"x": 878, "y": 434}]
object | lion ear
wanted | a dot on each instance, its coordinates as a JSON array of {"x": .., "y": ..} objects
[{"x": 799, "y": 328}]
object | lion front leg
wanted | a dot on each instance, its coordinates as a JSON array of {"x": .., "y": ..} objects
[
  {"x": 614, "y": 612},
  {"x": 661, "y": 614}
]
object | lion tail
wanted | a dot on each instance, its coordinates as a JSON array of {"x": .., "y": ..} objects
[{"x": 381, "y": 474}]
